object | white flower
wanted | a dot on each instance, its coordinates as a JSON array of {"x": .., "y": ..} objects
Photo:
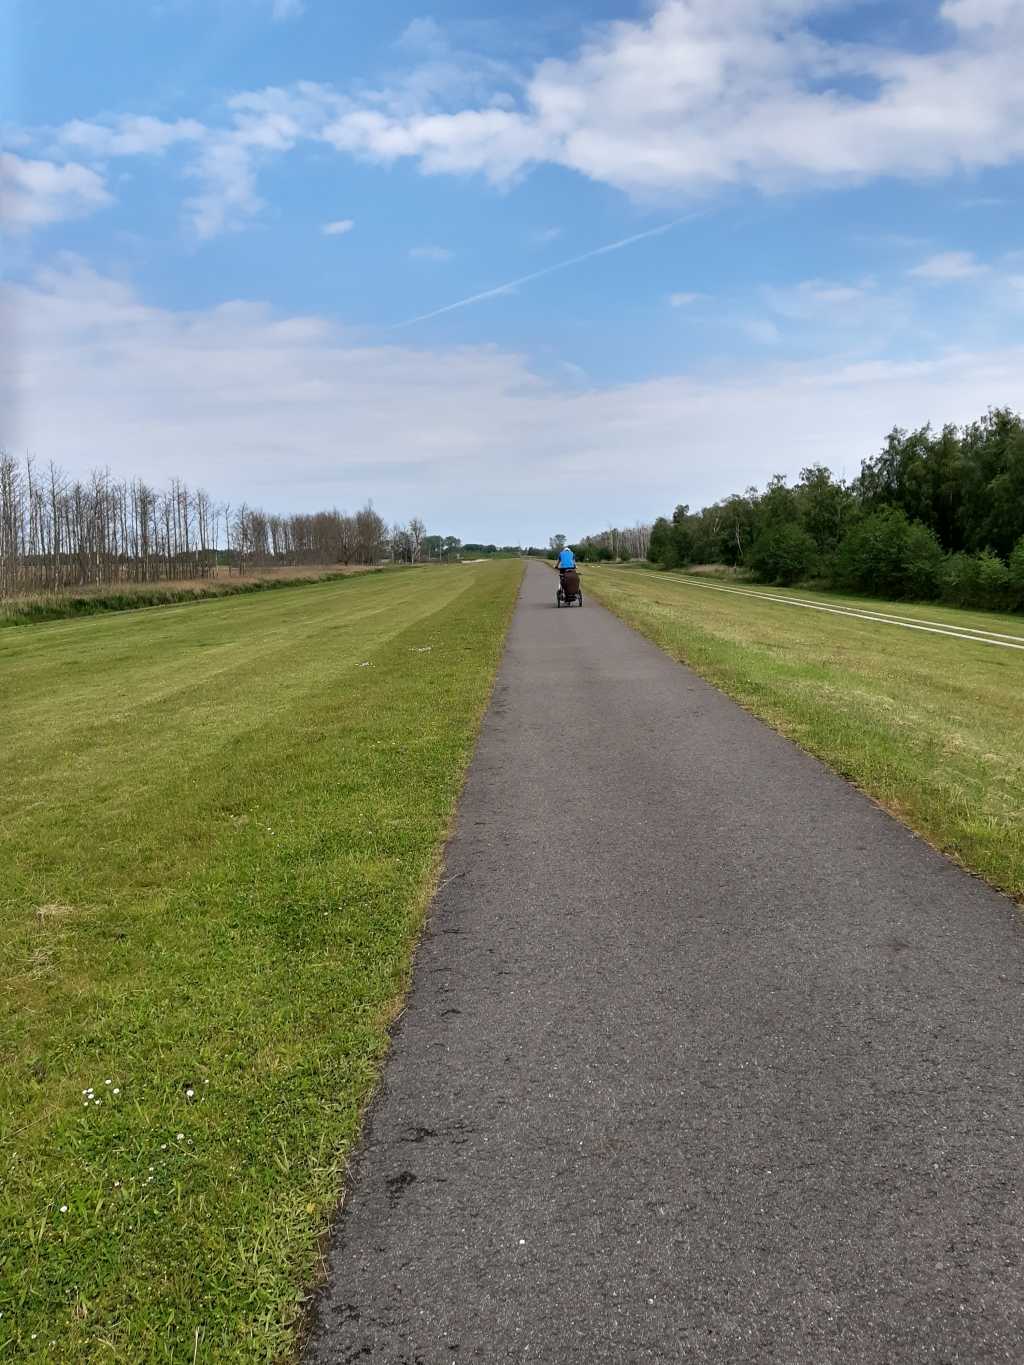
[
  {"x": 181, "y": 1137},
  {"x": 108, "y": 1082},
  {"x": 189, "y": 1094},
  {"x": 163, "y": 1146},
  {"x": 117, "y": 1090},
  {"x": 63, "y": 1208},
  {"x": 117, "y": 1184}
]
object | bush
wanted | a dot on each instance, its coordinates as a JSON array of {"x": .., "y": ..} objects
[
  {"x": 889, "y": 556},
  {"x": 1016, "y": 571},
  {"x": 981, "y": 580},
  {"x": 783, "y": 554},
  {"x": 922, "y": 563},
  {"x": 957, "y": 582}
]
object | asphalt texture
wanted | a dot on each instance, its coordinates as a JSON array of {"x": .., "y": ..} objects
[{"x": 706, "y": 1057}]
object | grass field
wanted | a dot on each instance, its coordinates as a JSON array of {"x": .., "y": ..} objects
[
  {"x": 929, "y": 725},
  {"x": 219, "y": 824}
]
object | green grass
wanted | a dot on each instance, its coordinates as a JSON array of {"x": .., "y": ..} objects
[
  {"x": 932, "y": 727},
  {"x": 219, "y": 826}
]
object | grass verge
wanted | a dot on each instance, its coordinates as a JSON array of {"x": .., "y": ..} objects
[
  {"x": 930, "y": 726},
  {"x": 30, "y": 609},
  {"x": 218, "y": 829}
]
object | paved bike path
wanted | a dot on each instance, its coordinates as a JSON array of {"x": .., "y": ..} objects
[{"x": 706, "y": 1058}]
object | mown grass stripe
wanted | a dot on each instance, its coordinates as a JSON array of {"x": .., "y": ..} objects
[{"x": 214, "y": 885}]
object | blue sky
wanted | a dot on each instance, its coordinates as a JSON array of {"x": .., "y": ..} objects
[{"x": 223, "y": 219}]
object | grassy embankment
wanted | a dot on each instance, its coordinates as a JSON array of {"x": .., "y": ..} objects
[
  {"x": 31, "y": 608},
  {"x": 930, "y": 726},
  {"x": 219, "y": 825}
]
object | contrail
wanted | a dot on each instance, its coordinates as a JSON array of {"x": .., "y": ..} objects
[{"x": 548, "y": 270}]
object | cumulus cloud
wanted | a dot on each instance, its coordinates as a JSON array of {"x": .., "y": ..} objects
[
  {"x": 705, "y": 93},
  {"x": 694, "y": 97},
  {"x": 35, "y": 193},
  {"x": 293, "y": 412}
]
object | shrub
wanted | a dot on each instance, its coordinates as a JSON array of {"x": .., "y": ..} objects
[
  {"x": 922, "y": 563},
  {"x": 980, "y": 580},
  {"x": 889, "y": 556},
  {"x": 783, "y": 554},
  {"x": 1016, "y": 572},
  {"x": 992, "y": 579}
]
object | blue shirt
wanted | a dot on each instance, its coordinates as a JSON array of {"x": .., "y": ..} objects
[{"x": 567, "y": 560}]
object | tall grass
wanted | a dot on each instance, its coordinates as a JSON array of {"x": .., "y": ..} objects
[{"x": 30, "y": 609}]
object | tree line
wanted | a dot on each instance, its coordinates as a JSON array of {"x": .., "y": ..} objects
[
  {"x": 59, "y": 532},
  {"x": 935, "y": 515},
  {"x": 625, "y": 543}
]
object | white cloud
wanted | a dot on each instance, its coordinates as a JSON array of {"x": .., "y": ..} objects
[
  {"x": 431, "y": 253},
  {"x": 34, "y": 193},
  {"x": 812, "y": 299},
  {"x": 949, "y": 265},
  {"x": 293, "y": 412},
  {"x": 684, "y": 300},
  {"x": 264, "y": 123},
  {"x": 703, "y": 93},
  {"x": 970, "y": 14},
  {"x": 130, "y": 135},
  {"x": 694, "y": 96},
  {"x": 338, "y": 228}
]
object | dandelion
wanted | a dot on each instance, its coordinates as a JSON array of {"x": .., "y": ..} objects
[{"x": 190, "y": 1094}]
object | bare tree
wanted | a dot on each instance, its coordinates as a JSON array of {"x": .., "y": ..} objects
[{"x": 56, "y": 532}]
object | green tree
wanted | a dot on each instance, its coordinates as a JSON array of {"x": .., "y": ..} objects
[
  {"x": 783, "y": 553},
  {"x": 825, "y": 506},
  {"x": 662, "y": 548},
  {"x": 889, "y": 556}
]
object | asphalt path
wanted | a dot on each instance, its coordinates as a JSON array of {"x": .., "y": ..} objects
[{"x": 706, "y": 1057}]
